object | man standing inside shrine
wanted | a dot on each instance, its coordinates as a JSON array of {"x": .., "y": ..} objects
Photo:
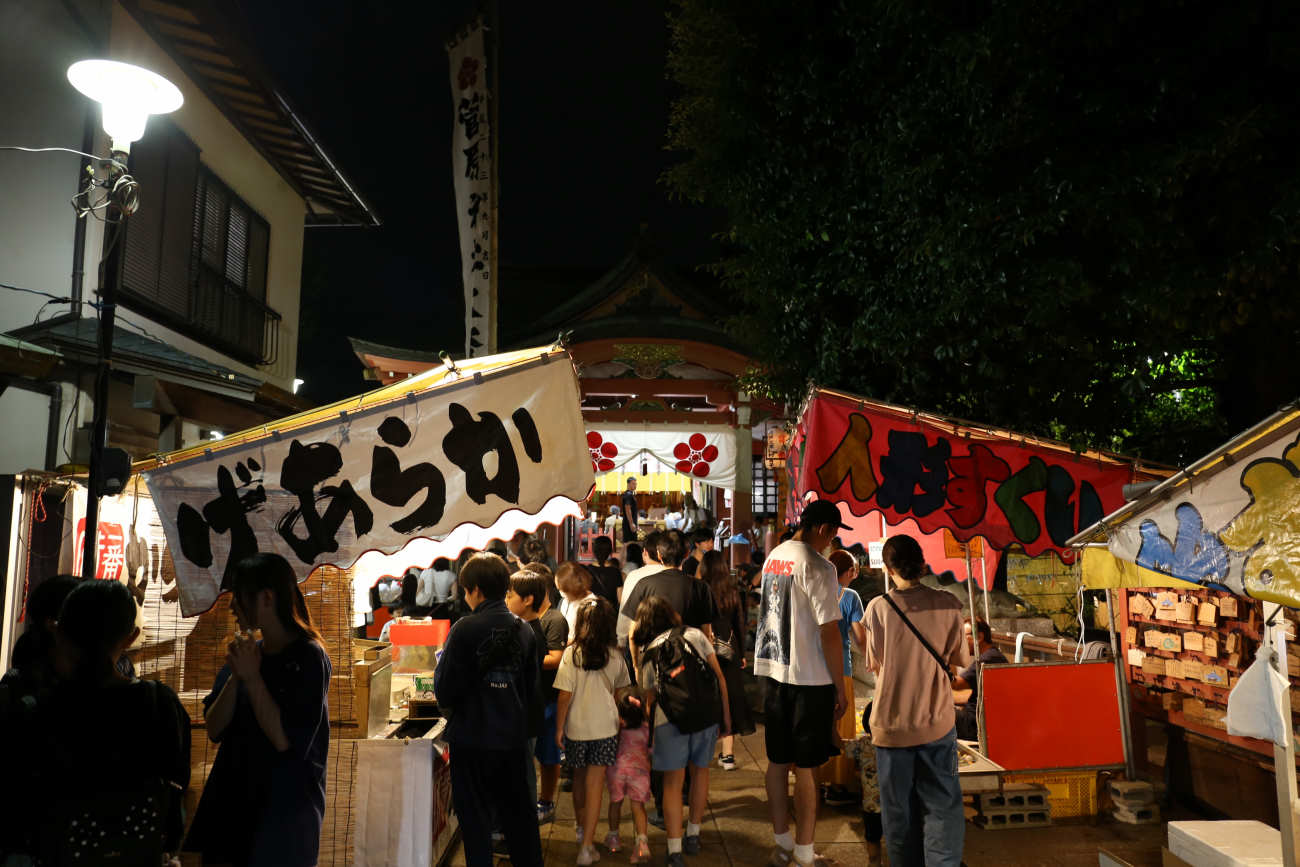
[{"x": 630, "y": 511}]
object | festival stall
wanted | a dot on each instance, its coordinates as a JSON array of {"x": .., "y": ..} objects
[
  {"x": 977, "y": 482},
  {"x": 453, "y": 458},
  {"x": 1208, "y": 566}
]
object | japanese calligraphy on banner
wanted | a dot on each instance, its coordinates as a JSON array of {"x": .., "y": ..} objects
[
  {"x": 452, "y": 451},
  {"x": 874, "y": 457},
  {"x": 1236, "y": 525},
  {"x": 704, "y": 452},
  {"x": 472, "y": 171}
]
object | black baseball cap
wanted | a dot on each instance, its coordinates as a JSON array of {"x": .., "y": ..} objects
[{"x": 818, "y": 513}]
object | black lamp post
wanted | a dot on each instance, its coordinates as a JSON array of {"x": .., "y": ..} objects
[{"x": 128, "y": 95}]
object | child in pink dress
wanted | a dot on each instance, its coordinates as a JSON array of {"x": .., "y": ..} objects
[{"x": 629, "y": 776}]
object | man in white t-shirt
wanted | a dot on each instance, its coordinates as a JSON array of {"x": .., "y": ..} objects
[
  {"x": 798, "y": 650},
  {"x": 650, "y": 554}
]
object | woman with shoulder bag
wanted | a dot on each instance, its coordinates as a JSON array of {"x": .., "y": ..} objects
[{"x": 729, "y": 645}]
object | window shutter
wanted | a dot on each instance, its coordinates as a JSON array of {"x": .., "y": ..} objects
[
  {"x": 259, "y": 241},
  {"x": 178, "y": 219},
  {"x": 156, "y": 249},
  {"x": 142, "y": 241}
]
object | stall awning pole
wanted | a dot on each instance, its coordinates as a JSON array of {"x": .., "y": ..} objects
[
  {"x": 984, "y": 584},
  {"x": 970, "y": 592},
  {"x": 1284, "y": 755},
  {"x": 1125, "y": 721}
]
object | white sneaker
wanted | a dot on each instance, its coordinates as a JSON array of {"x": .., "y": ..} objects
[
  {"x": 588, "y": 855},
  {"x": 727, "y": 763},
  {"x": 780, "y": 857}
]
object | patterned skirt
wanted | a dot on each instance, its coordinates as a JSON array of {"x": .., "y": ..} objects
[{"x": 583, "y": 754}]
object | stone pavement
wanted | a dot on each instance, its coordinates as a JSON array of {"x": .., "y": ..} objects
[{"x": 737, "y": 831}]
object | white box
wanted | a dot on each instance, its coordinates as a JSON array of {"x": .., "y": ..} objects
[{"x": 1226, "y": 844}]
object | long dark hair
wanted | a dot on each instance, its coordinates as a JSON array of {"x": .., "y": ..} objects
[
  {"x": 272, "y": 572},
  {"x": 96, "y": 617},
  {"x": 713, "y": 568},
  {"x": 634, "y": 554},
  {"x": 594, "y": 634},
  {"x": 654, "y": 616},
  {"x": 35, "y": 647}
]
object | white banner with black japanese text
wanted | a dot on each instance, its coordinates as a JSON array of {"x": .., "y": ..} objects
[
  {"x": 471, "y": 163},
  {"x": 483, "y": 450}
]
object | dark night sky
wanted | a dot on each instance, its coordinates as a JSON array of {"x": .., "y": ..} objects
[{"x": 584, "y": 105}]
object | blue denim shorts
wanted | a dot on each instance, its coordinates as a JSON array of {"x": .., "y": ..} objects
[{"x": 674, "y": 750}]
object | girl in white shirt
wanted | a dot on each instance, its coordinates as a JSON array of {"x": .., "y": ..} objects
[{"x": 586, "y": 726}]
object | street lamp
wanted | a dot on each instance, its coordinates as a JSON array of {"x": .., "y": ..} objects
[{"x": 127, "y": 95}]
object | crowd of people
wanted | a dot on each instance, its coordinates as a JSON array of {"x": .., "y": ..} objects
[
  {"x": 640, "y": 692},
  {"x": 624, "y": 679}
]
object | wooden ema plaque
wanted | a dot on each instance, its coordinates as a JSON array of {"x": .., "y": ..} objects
[{"x": 1141, "y": 606}]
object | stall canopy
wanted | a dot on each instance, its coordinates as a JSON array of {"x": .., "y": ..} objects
[
  {"x": 704, "y": 452},
  {"x": 974, "y": 481},
  {"x": 445, "y": 460},
  {"x": 1102, "y": 569},
  {"x": 1231, "y": 519}
]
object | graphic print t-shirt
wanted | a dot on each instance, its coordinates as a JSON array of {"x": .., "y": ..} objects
[{"x": 800, "y": 595}]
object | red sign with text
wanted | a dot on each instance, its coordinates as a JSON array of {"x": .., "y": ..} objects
[
  {"x": 110, "y": 551},
  {"x": 971, "y": 481}
]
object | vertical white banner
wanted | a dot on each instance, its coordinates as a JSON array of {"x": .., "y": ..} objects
[{"x": 471, "y": 163}]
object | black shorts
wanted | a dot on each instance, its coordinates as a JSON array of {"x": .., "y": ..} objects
[{"x": 798, "y": 721}]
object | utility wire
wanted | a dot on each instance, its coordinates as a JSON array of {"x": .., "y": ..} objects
[
  {"x": 39, "y": 292},
  {"x": 60, "y": 150}
]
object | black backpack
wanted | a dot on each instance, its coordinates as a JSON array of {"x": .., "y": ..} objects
[{"x": 685, "y": 685}]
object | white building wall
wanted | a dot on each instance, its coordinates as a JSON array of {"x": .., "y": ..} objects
[
  {"x": 24, "y": 419},
  {"x": 38, "y": 108}
]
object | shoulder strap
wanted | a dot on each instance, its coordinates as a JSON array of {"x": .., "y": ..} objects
[{"x": 919, "y": 637}]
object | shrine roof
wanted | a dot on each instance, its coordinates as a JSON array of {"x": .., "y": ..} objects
[{"x": 640, "y": 296}]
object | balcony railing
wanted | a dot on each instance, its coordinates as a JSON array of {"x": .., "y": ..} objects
[{"x": 230, "y": 319}]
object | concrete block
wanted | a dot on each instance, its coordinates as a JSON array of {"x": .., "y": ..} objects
[
  {"x": 1147, "y": 814},
  {"x": 1132, "y": 791},
  {"x": 1014, "y": 796},
  {"x": 1014, "y": 819}
]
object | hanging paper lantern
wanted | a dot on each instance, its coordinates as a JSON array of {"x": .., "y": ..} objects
[{"x": 776, "y": 448}]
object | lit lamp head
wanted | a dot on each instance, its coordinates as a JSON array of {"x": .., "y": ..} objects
[{"x": 127, "y": 94}]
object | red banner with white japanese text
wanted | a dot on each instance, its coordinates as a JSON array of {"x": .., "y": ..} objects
[{"x": 1009, "y": 489}]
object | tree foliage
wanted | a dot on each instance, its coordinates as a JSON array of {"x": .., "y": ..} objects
[{"x": 1067, "y": 218}]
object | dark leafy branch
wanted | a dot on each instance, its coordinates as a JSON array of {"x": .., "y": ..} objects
[{"x": 1044, "y": 214}]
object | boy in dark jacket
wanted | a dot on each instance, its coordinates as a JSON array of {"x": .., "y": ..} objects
[{"x": 487, "y": 681}]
